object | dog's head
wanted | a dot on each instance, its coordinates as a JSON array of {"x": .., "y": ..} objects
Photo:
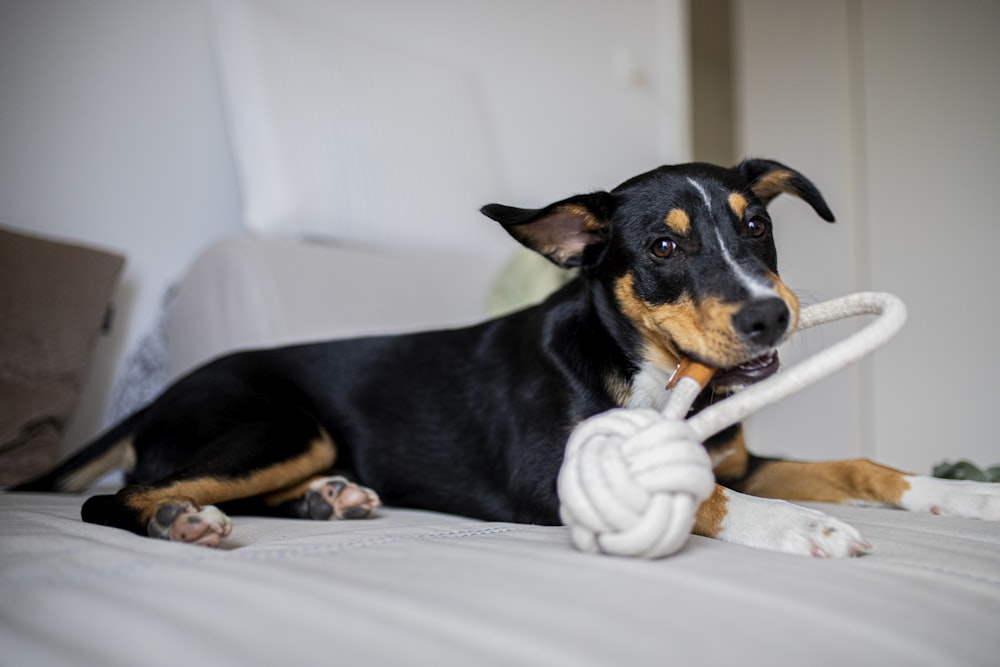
[{"x": 686, "y": 255}]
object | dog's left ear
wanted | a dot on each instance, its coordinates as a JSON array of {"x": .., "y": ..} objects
[
  {"x": 569, "y": 232},
  {"x": 768, "y": 179}
]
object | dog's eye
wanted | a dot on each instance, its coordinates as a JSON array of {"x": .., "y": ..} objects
[
  {"x": 756, "y": 227},
  {"x": 663, "y": 247}
]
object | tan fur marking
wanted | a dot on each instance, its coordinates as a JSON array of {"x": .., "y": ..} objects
[
  {"x": 708, "y": 520},
  {"x": 828, "y": 481},
  {"x": 772, "y": 184},
  {"x": 702, "y": 330},
  {"x": 590, "y": 223},
  {"x": 738, "y": 203},
  {"x": 660, "y": 352},
  {"x": 121, "y": 456},
  {"x": 292, "y": 492},
  {"x": 788, "y": 296},
  {"x": 210, "y": 490},
  {"x": 729, "y": 460},
  {"x": 618, "y": 388},
  {"x": 677, "y": 221}
]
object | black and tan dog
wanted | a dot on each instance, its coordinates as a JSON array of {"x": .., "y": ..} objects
[{"x": 677, "y": 262}]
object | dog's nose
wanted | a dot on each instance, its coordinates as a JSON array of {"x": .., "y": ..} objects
[{"x": 763, "y": 322}]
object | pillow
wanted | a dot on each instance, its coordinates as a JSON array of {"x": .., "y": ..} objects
[
  {"x": 53, "y": 304},
  {"x": 338, "y": 137},
  {"x": 279, "y": 292}
]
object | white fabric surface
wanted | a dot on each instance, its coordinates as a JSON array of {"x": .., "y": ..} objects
[
  {"x": 421, "y": 588},
  {"x": 340, "y": 137}
]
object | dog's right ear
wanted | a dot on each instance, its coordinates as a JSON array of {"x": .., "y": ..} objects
[
  {"x": 567, "y": 232},
  {"x": 768, "y": 179}
]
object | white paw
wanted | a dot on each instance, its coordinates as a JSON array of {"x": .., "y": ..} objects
[
  {"x": 182, "y": 521},
  {"x": 949, "y": 497},
  {"x": 781, "y": 526}
]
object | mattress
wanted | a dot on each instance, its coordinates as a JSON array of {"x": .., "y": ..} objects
[{"x": 416, "y": 587}]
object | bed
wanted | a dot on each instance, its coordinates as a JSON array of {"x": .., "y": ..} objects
[
  {"x": 412, "y": 587},
  {"x": 424, "y": 588},
  {"x": 405, "y": 587}
]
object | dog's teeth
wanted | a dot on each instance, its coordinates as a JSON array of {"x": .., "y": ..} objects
[{"x": 759, "y": 362}]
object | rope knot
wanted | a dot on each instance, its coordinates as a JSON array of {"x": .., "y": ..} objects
[{"x": 631, "y": 483}]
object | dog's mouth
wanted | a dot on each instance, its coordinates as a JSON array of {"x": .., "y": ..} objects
[{"x": 747, "y": 373}]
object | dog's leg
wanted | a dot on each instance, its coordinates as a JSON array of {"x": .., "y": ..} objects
[
  {"x": 323, "y": 497},
  {"x": 248, "y": 461},
  {"x": 860, "y": 481},
  {"x": 761, "y": 517},
  {"x": 776, "y": 525}
]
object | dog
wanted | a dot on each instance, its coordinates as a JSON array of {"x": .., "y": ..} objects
[{"x": 678, "y": 262}]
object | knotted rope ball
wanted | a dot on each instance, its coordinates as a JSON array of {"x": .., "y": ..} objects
[
  {"x": 632, "y": 479},
  {"x": 631, "y": 483}
]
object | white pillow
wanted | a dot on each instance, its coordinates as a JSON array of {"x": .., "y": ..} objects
[{"x": 337, "y": 137}]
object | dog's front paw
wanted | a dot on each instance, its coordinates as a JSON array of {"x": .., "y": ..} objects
[
  {"x": 781, "y": 526},
  {"x": 949, "y": 497},
  {"x": 183, "y": 521},
  {"x": 329, "y": 497}
]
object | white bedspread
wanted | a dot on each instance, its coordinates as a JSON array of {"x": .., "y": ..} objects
[{"x": 419, "y": 588}]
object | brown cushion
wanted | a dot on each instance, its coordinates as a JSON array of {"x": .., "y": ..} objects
[{"x": 54, "y": 300}]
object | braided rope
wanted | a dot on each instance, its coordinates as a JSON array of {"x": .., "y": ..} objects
[{"x": 633, "y": 479}]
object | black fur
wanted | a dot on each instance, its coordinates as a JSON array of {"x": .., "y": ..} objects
[{"x": 470, "y": 421}]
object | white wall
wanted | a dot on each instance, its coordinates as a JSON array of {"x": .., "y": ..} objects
[
  {"x": 793, "y": 93},
  {"x": 932, "y": 128},
  {"x": 556, "y": 77},
  {"x": 111, "y": 133},
  {"x": 112, "y": 130},
  {"x": 891, "y": 107}
]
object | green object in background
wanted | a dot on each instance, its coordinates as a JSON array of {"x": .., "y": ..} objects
[
  {"x": 526, "y": 280},
  {"x": 967, "y": 471}
]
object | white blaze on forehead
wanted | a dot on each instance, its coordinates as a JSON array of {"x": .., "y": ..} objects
[
  {"x": 701, "y": 190},
  {"x": 757, "y": 286}
]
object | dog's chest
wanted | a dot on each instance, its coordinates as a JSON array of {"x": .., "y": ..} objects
[{"x": 648, "y": 389}]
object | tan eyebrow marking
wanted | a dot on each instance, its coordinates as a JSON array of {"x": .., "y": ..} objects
[
  {"x": 738, "y": 203},
  {"x": 677, "y": 221},
  {"x": 772, "y": 184}
]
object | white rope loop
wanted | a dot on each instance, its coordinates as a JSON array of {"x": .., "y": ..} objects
[
  {"x": 892, "y": 315},
  {"x": 633, "y": 479}
]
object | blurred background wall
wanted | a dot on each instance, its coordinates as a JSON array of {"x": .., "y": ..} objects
[
  {"x": 112, "y": 132},
  {"x": 891, "y": 106},
  {"x": 112, "y": 128}
]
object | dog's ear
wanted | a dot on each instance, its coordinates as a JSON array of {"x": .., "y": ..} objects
[
  {"x": 568, "y": 232},
  {"x": 768, "y": 179}
]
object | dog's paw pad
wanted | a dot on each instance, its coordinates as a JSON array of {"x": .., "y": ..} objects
[
  {"x": 826, "y": 537},
  {"x": 183, "y": 521},
  {"x": 336, "y": 497}
]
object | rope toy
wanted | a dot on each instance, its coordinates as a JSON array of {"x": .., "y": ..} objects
[{"x": 632, "y": 479}]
